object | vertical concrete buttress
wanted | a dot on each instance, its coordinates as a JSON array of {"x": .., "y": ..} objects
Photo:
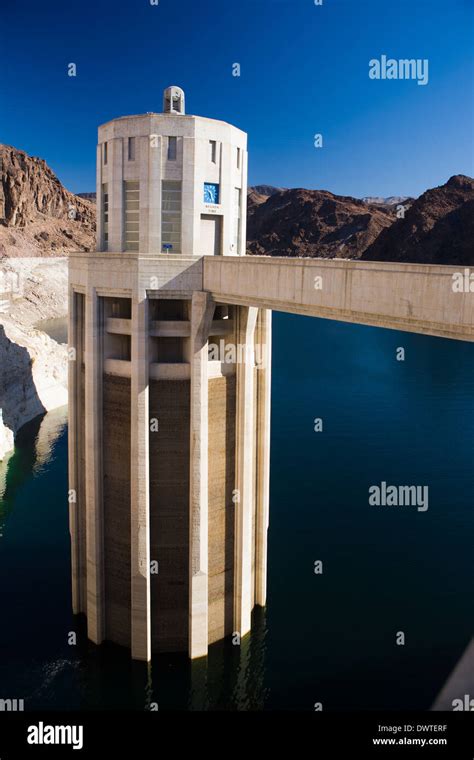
[
  {"x": 264, "y": 341},
  {"x": 202, "y": 309},
  {"x": 245, "y": 463},
  {"x": 73, "y": 455},
  {"x": 139, "y": 482},
  {"x": 93, "y": 462}
]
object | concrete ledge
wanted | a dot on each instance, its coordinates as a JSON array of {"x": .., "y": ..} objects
[
  {"x": 170, "y": 329},
  {"x": 119, "y": 326},
  {"x": 115, "y": 273},
  {"x": 118, "y": 367},
  {"x": 170, "y": 371}
]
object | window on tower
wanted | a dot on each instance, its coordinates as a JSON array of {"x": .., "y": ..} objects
[
  {"x": 213, "y": 150},
  {"x": 132, "y": 215},
  {"x": 105, "y": 215},
  {"x": 171, "y": 216},
  {"x": 131, "y": 149},
  {"x": 172, "y": 148}
]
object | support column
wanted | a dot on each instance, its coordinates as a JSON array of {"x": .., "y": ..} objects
[
  {"x": 264, "y": 356},
  {"x": 93, "y": 476},
  {"x": 145, "y": 180},
  {"x": 243, "y": 203},
  {"x": 73, "y": 453},
  {"x": 245, "y": 473},
  {"x": 116, "y": 197},
  {"x": 227, "y": 190},
  {"x": 191, "y": 200},
  {"x": 202, "y": 310},
  {"x": 154, "y": 195},
  {"x": 99, "y": 200},
  {"x": 139, "y": 483}
]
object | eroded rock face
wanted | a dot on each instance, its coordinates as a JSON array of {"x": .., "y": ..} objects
[
  {"x": 437, "y": 229},
  {"x": 313, "y": 223},
  {"x": 40, "y": 223},
  {"x": 38, "y": 216},
  {"x": 33, "y": 367}
]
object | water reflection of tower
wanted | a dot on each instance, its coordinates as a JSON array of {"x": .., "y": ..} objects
[
  {"x": 34, "y": 447},
  {"x": 169, "y": 451}
]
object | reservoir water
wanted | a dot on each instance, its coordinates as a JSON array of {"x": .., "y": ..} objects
[{"x": 327, "y": 637}]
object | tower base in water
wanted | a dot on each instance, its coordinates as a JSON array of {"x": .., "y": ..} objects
[{"x": 169, "y": 440}]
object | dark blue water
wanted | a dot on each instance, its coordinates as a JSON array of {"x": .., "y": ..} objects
[{"x": 329, "y": 637}]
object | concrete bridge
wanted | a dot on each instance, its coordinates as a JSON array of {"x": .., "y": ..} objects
[{"x": 412, "y": 297}]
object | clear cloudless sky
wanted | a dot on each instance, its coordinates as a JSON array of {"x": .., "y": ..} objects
[{"x": 304, "y": 70}]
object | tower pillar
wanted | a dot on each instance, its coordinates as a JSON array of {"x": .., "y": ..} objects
[
  {"x": 74, "y": 366},
  {"x": 245, "y": 463},
  {"x": 93, "y": 459},
  {"x": 202, "y": 310},
  {"x": 140, "y": 482},
  {"x": 264, "y": 341}
]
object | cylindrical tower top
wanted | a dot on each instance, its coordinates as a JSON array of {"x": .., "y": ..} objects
[
  {"x": 171, "y": 183},
  {"x": 173, "y": 100}
]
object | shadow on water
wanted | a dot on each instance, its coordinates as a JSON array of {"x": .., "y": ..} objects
[
  {"x": 19, "y": 466},
  {"x": 105, "y": 678},
  {"x": 233, "y": 677}
]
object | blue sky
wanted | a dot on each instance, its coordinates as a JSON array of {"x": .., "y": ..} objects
[{"x": 304, "y": 70}]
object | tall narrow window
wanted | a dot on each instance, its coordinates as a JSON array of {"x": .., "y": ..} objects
[
  {"x": 132, "y": 215},
  {"x": 213, "y": 150},
  {"x": 105, "y": 153},
  {"x": 237, "y": 217},
  {"x": 238, "y": 158},
  {"x": 131, "y": 149},
  {"x": 105, "y": 215},
  {"x": 171, "y": 217},
  {"x": 172, "y": 148}
]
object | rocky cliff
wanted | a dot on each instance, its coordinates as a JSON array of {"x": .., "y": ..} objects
[
  {"x": 38, "y": 216},
  {"x": 33, "y": 367},
  {"x": 438, "y": 228},
  {"x": 313, "y": 223},
  {"x": 40, "y": 222}
]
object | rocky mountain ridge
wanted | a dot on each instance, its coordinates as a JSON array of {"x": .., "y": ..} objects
[
  {"x": 438, "y": 228},
  {"x": 313, "y": 223},
  {"x": 38, "y": 216}
]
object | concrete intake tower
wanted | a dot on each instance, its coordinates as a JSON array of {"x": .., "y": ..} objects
[{"x": 169, "y": 414}]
